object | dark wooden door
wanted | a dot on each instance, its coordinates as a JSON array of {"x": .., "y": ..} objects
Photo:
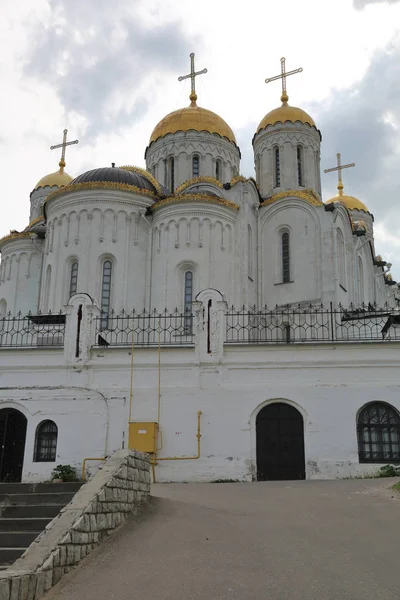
[
  {"x": 12, "y": 444},
  {"x": 280, "y": 443}
]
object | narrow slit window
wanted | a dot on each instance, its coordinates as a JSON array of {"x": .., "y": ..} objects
[
  {"x": 218, "y": 170},
  {"x": 73, "y": 280},
  {"x": 106, "y": 292},
  {"x": 285, "y": 258},
  {"x": 171, "y": 164},
  {"x": 46, "y": 442},
  {"x": 300, "y": 178},
  {"x": 277, "y": 168},
  {"x": 195, "y": 166},
  {"x": 188, "y": 299}
]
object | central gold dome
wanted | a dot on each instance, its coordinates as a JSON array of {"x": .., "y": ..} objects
[
  {"x": 192, "y": 117},
  {"x": 59, "y": 178},
  {"x": 285, "y": 113}
]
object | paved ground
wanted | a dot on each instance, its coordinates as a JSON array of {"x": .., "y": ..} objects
[{"x": 314, "y": 540}]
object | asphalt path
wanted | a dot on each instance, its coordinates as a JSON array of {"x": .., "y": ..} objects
[{"x": 306, "y": 540}]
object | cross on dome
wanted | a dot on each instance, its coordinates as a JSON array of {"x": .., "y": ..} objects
[
  {"x": 193, "y": 74},
  {"x": 339, "y": 168},
  {"x": 283, "y": 75},
  {"x": 63, "y": 145}
]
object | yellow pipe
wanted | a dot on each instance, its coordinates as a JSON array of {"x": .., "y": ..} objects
[
  {"x": 131, "y": 383},
  {"x": 84, "y": 466},
  {"x": 154, "y": 460}
]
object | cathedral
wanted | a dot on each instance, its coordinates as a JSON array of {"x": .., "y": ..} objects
[{"x": 234, "y": 328}]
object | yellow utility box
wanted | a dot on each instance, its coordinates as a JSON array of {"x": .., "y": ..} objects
[{"x": 143, "y": 436}]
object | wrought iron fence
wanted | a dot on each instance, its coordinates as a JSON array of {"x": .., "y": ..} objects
[
  {"x": 32, "y": 331},
  {"x": 148, "y": 328},
  {"x": 310, "y": 323}
]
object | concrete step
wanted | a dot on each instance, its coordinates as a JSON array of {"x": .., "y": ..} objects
[
  {"x": 17, "y": 539},
  {"x": 33, "y": 510},
  {"x": 27, "y": 524},
  {"x": 35, "y": 498},
  {"x": 10, "y": 555},
  {"x": 39, "y": 488}
]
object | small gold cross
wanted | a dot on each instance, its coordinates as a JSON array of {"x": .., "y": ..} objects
[
  {"x": 193, "y": 74},
  {"x": 283, "y": 75},
  {"x": 63, "y": 145},
  {"x": 339, "y": 168}
]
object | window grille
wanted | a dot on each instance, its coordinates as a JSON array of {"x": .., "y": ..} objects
[
  {"x": 285, "y": 258},
  {"x": 195, "y": 166},
  {"x": 73, "y": 281},
  {"x": 277, "y": 168},
  {"x": 378, "y": 430},
  {"x": 46, "y": 442},
  {"x": 171, "y": 164},
  {"x": 300, "y": 165},
  {"x": 106, "y": 292},
  {"x": 188, "y": 299}
]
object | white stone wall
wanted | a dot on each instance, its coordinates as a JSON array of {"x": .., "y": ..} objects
[
  {"x": 20, "y": 275},
  {"x": 90, "y": 227},
  {"x": 287, "y": 137},
  {"x": 182, "y": 146},
  {"x": 37, "y": 199}
]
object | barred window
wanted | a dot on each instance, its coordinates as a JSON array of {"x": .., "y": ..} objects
[
  {"x": 285, "y": 258},
  {"x": 195, "y": 166},
  {"x": 277, "y": 167},
  {"x": 46, "y": 442},
  {"x": 106, "y": 292},
  {"x": 73, "y": 280},
  {"x": 188, "y": 299},
  {"x": 300, "y": 166},
  {"x": 378, "y": 430}
]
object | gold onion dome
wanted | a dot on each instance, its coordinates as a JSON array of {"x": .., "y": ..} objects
[
  {"x": 192, "y": 117},
  {"x": 59, "y": 178},
  {"x": 350, "y": 202},
  {"x": 285, "y": 113}
]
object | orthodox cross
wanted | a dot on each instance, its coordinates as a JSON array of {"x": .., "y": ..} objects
[
  {"x": 63, "y": 145},
  {"x": 283, "y": 75},
  {"x": 193, "y": 74},
  {"x": 339, "y": 168}
]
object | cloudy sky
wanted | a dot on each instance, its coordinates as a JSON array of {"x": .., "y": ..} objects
[{"x": 107, "y": 70}]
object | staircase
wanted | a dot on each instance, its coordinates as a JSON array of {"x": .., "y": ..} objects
[{"x": 25, "y": 510}]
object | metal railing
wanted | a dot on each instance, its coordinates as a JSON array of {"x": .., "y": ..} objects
[
  {"x": 310, "y": 323},
  {"x": 33, "y": 331},
  {"x": 148, "y": 328}
]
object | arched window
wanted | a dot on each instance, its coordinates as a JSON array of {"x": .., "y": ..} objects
[
  {"x": 249, "y": 252},
  {"x": 218, "y": 169},
  {"x": 341, "y": 258},
  {"x": 300, "y": 166},
  {"x": 378, "y": 430},
  {"x": 188, "y": 299},
  {"x": 73, "y": 279},
  {"x": 3, "y": 308},
  {"x": 285, "y": 258},
  {"x": 47, "y": 289},
  {"x": 195, "y": 166},
  {"x": 277, "y": 165},
  {"x": 360, "y": 281},
  {"x": 46, "y": 442},
  {"x": 171, "y": 173},
  {"x": 106, "y": 292}
]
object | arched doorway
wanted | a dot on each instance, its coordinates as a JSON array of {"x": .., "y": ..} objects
[
  {"x": 12, "y": 444},
  {"x": 280, "y": 443}
]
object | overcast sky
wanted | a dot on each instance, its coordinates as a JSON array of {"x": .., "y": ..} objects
[{"x": 107, "y": 70}]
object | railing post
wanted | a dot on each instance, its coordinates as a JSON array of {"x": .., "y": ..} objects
[
  {"x": 80, "y": 327},
  {"x": 332, "y": 323}
]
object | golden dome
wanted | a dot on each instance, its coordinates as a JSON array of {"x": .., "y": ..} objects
[
  {"x": 192, "y": 117},
  {"x": 350, "y": 202},
  {"x": 285, "y": 113},
  {"x": 59, "y": 178}
]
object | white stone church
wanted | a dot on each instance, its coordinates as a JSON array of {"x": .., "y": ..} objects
[{"x": 234, "y": 328}]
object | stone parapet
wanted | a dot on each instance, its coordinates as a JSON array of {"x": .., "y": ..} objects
[{"x": 117, "y": 491}]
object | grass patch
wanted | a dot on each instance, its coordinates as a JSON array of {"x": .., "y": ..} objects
[
  {"x": 225, "y": 481},
  {"x": 396, "y": 486}
]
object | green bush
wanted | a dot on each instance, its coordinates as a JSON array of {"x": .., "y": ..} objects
[
  {"x": 64, "y": 472},
  {"x": 390, "y": 471}
]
